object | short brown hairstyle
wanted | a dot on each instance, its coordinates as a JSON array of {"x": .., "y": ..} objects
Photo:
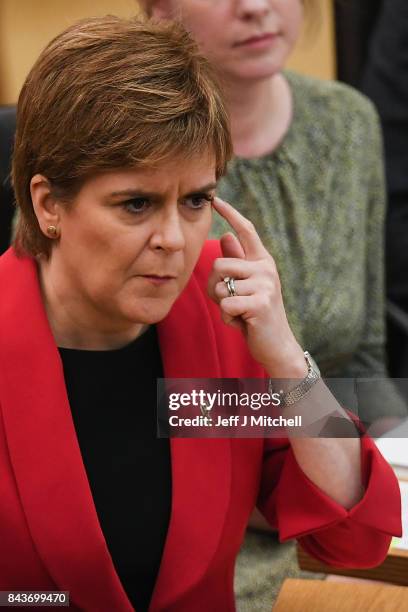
[{"x": 112, "y": 93}]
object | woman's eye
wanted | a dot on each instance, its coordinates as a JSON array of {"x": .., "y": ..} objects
[
  {"x": 137, "y": 205},
  {"x": 199, "y": 201}
]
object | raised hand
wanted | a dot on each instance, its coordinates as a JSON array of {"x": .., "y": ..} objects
[{"x": 257, "y": 307}]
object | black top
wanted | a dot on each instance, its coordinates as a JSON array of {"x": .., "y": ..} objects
[
  {"x": 113, "y": 402},
  {"x": 385, "y": 81}
]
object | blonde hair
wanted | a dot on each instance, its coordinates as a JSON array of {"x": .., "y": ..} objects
[{"x": 112, "y": 93}]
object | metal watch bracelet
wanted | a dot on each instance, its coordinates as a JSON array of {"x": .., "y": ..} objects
[{"x": 298, "y": 392}]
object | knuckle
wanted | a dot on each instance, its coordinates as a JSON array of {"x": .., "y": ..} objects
[
  {"x": 270, "y": 266},
  {"x": 219, "y": 290},
  {"x": 224, "y": 304},
  {"x": 248, "y": 226},
  {"x": 228, "y": 305},
  {"x": 264, "y": 302},
  {"x": 273, "y": 289},
  {"x": 272, "y": 275}
]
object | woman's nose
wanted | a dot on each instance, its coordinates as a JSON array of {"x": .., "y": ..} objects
[
  {"x": 253, "y": 9},
  {"x": 169, "y": 232}
]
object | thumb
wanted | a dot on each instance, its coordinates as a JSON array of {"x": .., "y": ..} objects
[{"x": 231, "y": 247}]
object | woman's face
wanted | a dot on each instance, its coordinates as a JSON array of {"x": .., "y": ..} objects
[
  {"x": 130, "y": 240},
  {"x": 248, "y": 39}
]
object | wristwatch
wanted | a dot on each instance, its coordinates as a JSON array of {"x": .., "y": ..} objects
[{"x": 295, "y": 394}]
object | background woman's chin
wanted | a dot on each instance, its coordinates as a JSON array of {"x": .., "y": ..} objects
[{"x": 258, "y": 70}]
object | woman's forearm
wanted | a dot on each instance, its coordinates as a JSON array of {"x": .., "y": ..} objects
[{"x": 332, "y": 463}]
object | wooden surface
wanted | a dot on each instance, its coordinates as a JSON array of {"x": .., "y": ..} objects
[
  {"x": 394, "y": 569},
  {"x": 322, "y": 596}
]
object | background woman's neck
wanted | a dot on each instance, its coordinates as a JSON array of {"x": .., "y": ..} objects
[{"x": 261, "y": 114}]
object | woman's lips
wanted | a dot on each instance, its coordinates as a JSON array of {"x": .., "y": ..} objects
[
  {"x": 158, "y": 280},
  {"x": 258, "y": 42}
]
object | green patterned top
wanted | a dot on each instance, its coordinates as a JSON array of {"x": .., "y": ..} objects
[{"x": 318, "y": 204}]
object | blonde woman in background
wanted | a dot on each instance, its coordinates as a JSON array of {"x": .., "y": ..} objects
[{"x": 308, "y": 172}]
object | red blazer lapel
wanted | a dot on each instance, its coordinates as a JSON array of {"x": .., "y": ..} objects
[
  {"x": 48, "y": 466},
  {"x": 44, "y": 451},
  {"x": 201, "y": 468}
]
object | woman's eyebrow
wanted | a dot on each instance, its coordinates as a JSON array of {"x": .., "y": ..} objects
[
  {"x": 134, "y": 193},
  {"x": 151, "y": 194},
  {"x": 208, "y": 187}
]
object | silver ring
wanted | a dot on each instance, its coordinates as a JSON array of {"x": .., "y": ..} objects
[{"x": 229, "y": 281}]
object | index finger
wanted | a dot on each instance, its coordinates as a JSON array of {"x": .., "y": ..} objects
[{"x": 244, "y": 229}]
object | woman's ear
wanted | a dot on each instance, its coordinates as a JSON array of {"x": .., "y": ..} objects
[{"x": 45, "y": 206}]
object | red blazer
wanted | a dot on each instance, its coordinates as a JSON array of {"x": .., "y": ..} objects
[{"x": 50, "y": 537}]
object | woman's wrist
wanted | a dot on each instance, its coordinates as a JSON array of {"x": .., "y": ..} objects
[{"x": 290, "y": 365}]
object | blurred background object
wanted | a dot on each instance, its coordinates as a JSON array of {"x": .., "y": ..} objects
[
  {"x": 372, "y": 55},
  {"x": 354, "y": 22},
  {"x": 385, "y": 80},
  {"x": 26, "y": 27},
  {"x": 7, "y": 128}
]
